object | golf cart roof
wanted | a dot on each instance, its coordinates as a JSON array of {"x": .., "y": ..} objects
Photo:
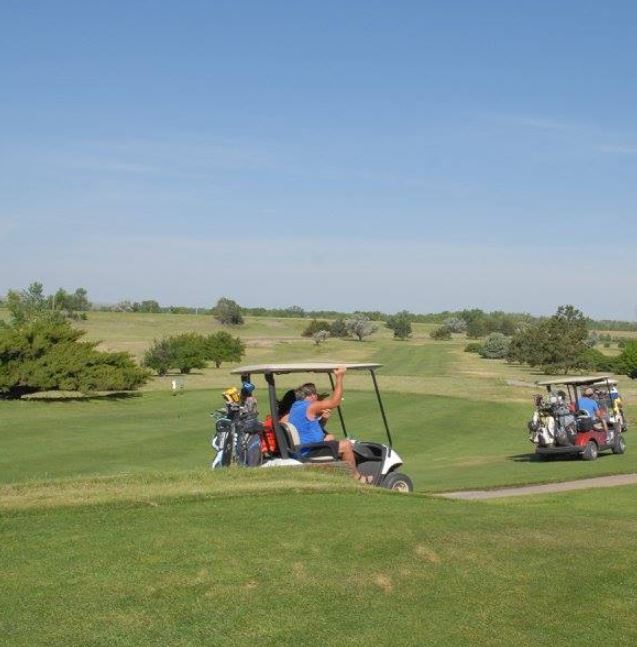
[
  {"x": 279, "y": 369},
  {"x": 581, "y": 379}
]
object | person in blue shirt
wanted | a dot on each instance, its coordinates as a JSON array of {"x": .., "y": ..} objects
[
  {"x": 587, "y": 403},
  {"x": 305, "y": 415}
]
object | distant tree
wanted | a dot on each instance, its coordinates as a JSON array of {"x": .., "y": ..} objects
[
  {"x": 190, "y": 351},
  {"x": 27, "y": 305},
  {"x": 556, "y": 344},
  {"x": 227, "y": 312},
  {"x": 455, "y": 324},
  {"x": 360, "y": 326},
  {"x": 74, "y": 306},
  {"x": 314, "y": 326},
  {"x": 400, "y": 324},
  {"x": 124, "y": 306},
  {"x": 442, "y": 333},
  {"x": 223, "y": 347},
  {"x": 160, "y": 356},
  {"x": 495, "y": 346},
  {"x": 150, "y": 305},
  {"x": 338, "y": 328},
  {"x": 476, "y": 323},
  {"x": 320, "y": 336},
  {"x": 294, "y": 311},
  {"x": 46, "y": 355}
]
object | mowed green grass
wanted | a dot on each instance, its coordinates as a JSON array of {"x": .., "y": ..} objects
[
  {"x": 446, "y": 442},
  {"x": 405, "y": 358},
  {"x": 335, "y": 566},
  {"x": 113, "y": 531}
]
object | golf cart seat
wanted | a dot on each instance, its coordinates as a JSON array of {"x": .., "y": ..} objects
[
  {"x": 315, "y": 454},
  {"x": 584, "y": 420}
]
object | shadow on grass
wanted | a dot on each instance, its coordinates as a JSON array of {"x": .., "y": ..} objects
[{"x": 545, "y": 458}]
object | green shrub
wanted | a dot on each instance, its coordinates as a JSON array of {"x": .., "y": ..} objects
[
  {"x": 595, "y": 360},
  {"x": 400, "y": 324},
  {"x": 495, "y": 346},
  {"x": 160, "y": 356},
  {"x": 314, "y": 326},
  {"x": 473, "y": 347},
  {"x": 338, "y": 328},
  {"x": 46, "y": 355},
  {"x": 441, "y": 333},
  {"x": 626, "y": 362}
]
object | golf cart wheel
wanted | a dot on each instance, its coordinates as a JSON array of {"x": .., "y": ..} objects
[
  {"x": 398, "y": 482},
  {"x": 619, "y": 446},
  {"x": 590, "y": 451}
]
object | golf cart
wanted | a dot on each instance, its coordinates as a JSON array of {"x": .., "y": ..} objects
[
  {"x": 560, "y": 426},
  {"x": 237, "y": 435}
]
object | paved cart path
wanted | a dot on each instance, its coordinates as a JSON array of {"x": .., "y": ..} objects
[{"x": 546, "y": 488}]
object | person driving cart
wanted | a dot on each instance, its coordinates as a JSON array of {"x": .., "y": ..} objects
[
  {"x": 587, "y": 403},
  {"x": 305, "y": 415}
]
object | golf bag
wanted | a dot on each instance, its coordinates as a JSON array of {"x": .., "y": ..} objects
[
  {"x": 237, "y": 437},
  {"x": 552, "y": 423}
]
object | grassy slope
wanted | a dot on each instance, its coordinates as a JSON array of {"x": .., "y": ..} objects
[{"x": 342, "y": 567}]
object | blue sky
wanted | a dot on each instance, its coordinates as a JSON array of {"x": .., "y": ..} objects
[{"x": 368, "y": 155}]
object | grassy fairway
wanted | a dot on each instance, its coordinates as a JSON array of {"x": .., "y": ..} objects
[
  {"x": 445, "y": 442},
  {"x": 340, "y": 566},
  {"x": 408, "y": 359}
]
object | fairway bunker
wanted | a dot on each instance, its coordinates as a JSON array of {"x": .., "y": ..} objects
[{"x": 241, "y": 438}]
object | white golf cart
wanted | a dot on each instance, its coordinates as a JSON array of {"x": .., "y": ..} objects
[{"x": 376, "y": 459}]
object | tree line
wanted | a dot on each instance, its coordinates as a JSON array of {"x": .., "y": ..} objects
[
  {"x": 476, "y": 323},
  {"x": 40, "y": 350}
]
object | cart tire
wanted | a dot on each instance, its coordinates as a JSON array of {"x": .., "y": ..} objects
[
  {"x": 619, "y": 446},
  {"x": 590, "y": 452},
  {"x": 398, "y": 482}
]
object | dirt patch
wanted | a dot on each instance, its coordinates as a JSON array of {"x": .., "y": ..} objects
[{"x": 547, "y": 488}]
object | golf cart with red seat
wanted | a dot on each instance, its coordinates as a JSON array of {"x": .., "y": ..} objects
[
  {"x": 280, "y": 442},
  {"x": 560, "y": 426}
]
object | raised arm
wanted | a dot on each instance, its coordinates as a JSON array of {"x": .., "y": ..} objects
[{"x": 334, "y": 400}]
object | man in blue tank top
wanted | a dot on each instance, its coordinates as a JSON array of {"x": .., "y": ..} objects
[
  {"x": 305, "y": 415},
  {"x": 587, "y": 403}
]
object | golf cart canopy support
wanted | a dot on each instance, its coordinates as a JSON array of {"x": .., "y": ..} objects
[
  {"x": 573, "y": 384},
  {"x": 283, "y": 369},
  {"x": 582, "y": 379},
  {"x": 270, "y": 370}
]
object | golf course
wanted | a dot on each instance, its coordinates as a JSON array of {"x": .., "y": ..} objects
[{"x": 114, "y": 530}]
